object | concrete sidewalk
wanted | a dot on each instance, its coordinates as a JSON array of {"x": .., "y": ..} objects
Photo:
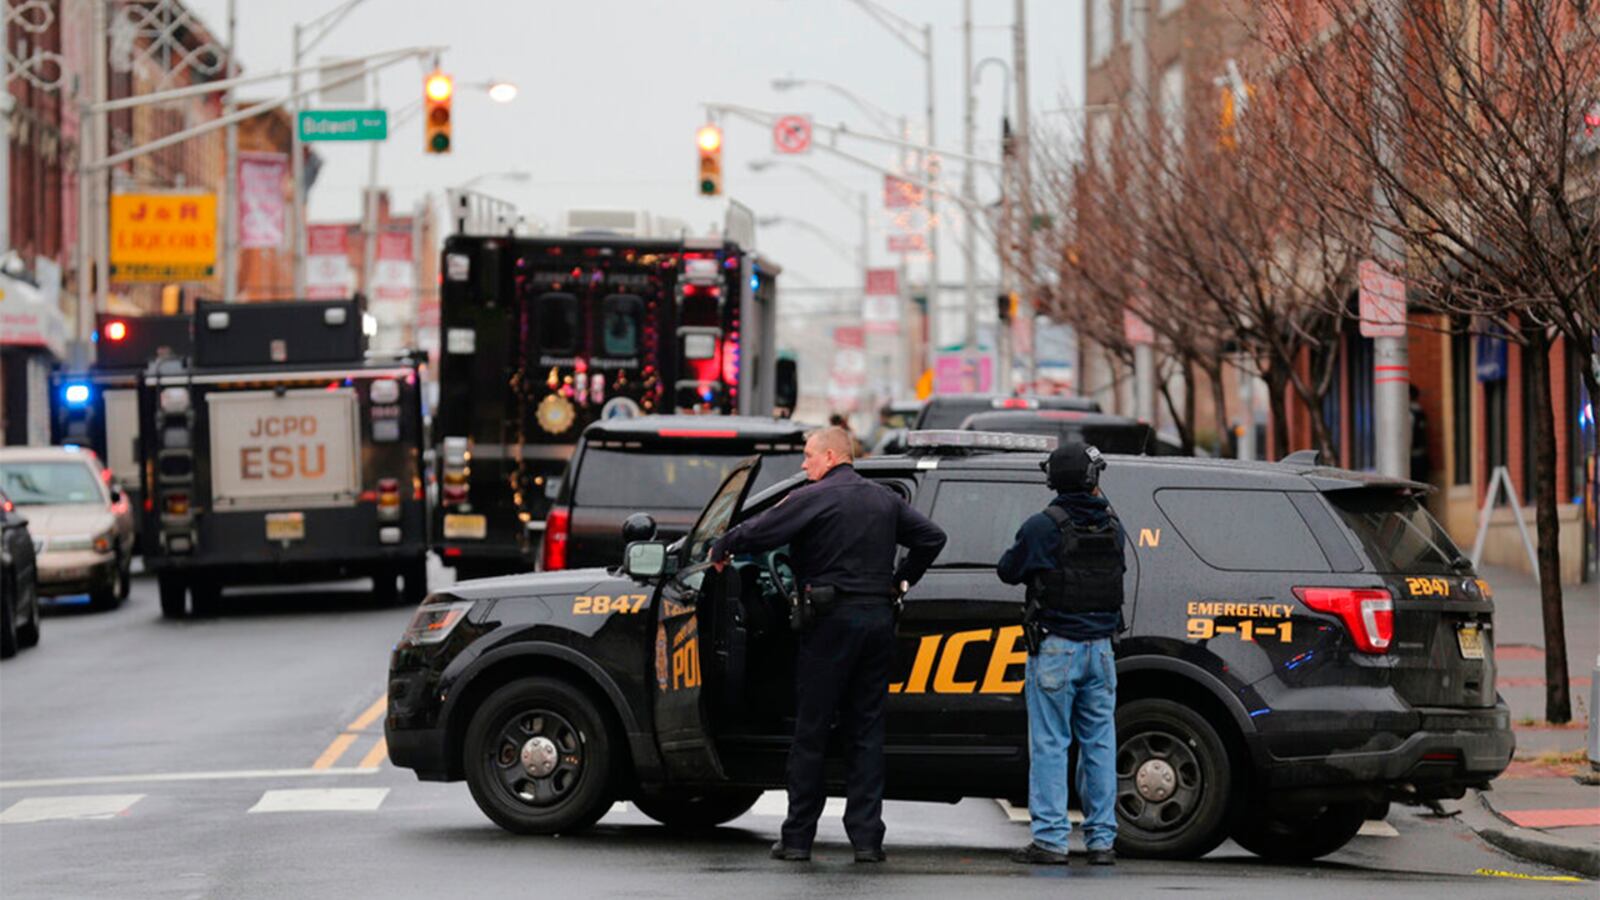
[{"x": 1538, "y": 808}]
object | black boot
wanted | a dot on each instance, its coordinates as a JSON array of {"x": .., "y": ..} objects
[
  {"x": 1035, "y": 855},
  {"x": 1102, "y": 857},
  {"x": 790, "y": 854}
]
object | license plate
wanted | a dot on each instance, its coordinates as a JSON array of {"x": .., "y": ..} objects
[
  {"x": 464, "y": 527},
  {"x": 1470, "y": 638},
  {"x": 286, "y": 526}
]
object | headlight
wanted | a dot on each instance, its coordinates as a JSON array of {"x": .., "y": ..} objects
[
  {"x": 102, "y": 543},
  {"x": 433, "y": 622}
]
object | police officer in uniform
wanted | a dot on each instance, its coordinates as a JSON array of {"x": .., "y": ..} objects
[
  {"x": 1071, "y": 558},
  {"x": 842, "y": 531}
]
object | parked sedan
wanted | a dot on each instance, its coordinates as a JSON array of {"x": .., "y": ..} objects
[
  {"x": 19, "y": 586},
  {"x": 81, "y": 522}
]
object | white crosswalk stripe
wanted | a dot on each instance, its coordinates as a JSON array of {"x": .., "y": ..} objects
[
  {"x": 321, "y": 800},
  {"x": 83, "y": 806}
]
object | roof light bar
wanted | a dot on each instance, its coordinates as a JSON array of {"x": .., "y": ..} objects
[{"x": 980, "y": 440}]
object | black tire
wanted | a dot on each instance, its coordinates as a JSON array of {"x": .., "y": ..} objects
[
  {"x": 696, "y": 810},
  {"x": 28, "y": 635},
  {"x": 204, "y": 597},
  {"x": 415, "y": 576},
  {"x": 174, "y": 594},
  {"x": 384, "y": 591},
  {"x": 1161, "y": 738},
  {"x": 125, "y": 578},
  {"x": 570, "y": 796},
  {"x": 8, "y": 626},
  {"x": 1303, "y": 835},
  {"x": 108, "y": 595}
]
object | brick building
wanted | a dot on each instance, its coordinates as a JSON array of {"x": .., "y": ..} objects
[{"x": 1473, "y": 389}]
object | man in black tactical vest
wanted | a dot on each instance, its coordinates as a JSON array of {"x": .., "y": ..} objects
[{"x": 1071, "y": 558}]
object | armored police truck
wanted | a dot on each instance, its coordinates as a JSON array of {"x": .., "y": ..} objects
[
  {"x": 281, "y": 451},
  {"x": 99, "y": 408},
  {"x": 543, "y": 336}
]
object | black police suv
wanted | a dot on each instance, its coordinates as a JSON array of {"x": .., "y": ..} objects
[
  {"x": 664, "y": 466},
  {"x": 19, "y": 582},
  {"x": 949, "y": 410},
  {"x": 1303, "y": 643}
]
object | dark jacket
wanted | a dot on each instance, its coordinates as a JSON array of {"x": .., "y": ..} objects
[
  {"x": 1035, "y": 551},
  {"x": 842, "y": 531}
]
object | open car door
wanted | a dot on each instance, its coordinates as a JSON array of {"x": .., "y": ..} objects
[{"x": 683, "y": 641}]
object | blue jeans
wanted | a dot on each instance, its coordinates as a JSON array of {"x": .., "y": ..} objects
[{"x": 1072, "y": 692}]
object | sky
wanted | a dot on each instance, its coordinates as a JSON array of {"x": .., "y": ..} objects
[{"x": 611, "y": 94}]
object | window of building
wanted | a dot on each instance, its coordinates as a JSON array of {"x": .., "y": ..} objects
[
  {"x": 1580, "y": 424},
  {"x": 1169, "y": 5},
  {"x": 1494, "y": 425},
  {"x": 1100, "y": 124},
  {"x": 1461, "y": 402},
  {"x": 1099, "y": 31},
  {"x": 1360, "y": 357},
  {"x": 1171, "y": 98},
  {"x": 1246, "y": 531}
]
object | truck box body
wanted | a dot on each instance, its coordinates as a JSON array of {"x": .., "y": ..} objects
[{"x": 541, "y": 337}]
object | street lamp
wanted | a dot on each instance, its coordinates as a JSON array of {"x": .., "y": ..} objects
[
  {"x": 882, "y": 118},
  {"x": 502, "y": 91},
  {"x": 517, "y": 175}
]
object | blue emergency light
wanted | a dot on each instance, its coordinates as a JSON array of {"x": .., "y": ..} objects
[{"x": 76, "y": 394}]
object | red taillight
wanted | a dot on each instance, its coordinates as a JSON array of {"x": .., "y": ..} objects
[
  {"x": 555, "y": 539},
  {"x": 116, "y": 330},
  {"x": 177, "y": 504},
  {"x": 1368, "y": 613},
  {"x": 1017, "y": 403}
]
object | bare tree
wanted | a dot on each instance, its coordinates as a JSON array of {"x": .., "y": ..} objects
[{"x": 1494, "y": 185}]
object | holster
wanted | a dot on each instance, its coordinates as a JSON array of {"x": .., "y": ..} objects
[
  {"x": 813, "y": 601},
  {"x": 1032, "y": 631}
]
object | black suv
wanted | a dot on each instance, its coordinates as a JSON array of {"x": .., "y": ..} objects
[
  {"x": 666, "y": 466},
  {"x": 1303, "y": 644}
]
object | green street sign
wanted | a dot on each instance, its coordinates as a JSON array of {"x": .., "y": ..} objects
[{"x": 344, "y": 125}]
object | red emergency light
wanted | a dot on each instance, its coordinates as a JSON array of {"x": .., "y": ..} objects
[{"x": 116, "y": 330}]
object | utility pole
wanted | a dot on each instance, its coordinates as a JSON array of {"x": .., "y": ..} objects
[
  {"x": 1391, "y": 355},
  {"x": 1144, "y": 361},
  {"x": 1021, "y": 151},
  {"x": 297, "y": 170},
  {"x": 230, "y": 178},
  {"x": 969, "y": 246},
  {"x": 931, "y": 174}
]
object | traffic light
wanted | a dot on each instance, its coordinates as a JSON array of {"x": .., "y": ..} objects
[
  {"x": 709, "y": 139},
  {"x": 436, "y": 93}
]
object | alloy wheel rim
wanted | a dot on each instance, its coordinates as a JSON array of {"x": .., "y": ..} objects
[{"x": 538, "y": 757}]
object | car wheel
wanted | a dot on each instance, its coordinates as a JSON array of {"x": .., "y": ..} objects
[
  {"x": 687, "y": 809},
  {"x": 384, "y": 591},
  {"x": 1301, "y": 836},
  {"x": 173, "y": 595},
  {"x": 124, "y": 578},
  {"x": 1174, "y": 782},
  {"x": 415, "y": 574},
  {"x": 8, "y": 627},
  {"x": 538, "y": 758},
  {"x": 28, "y": 635},
  {"x": 204, "y": 597}
]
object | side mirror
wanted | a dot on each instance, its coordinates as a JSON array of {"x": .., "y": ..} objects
[
  {"x": 645, "y": 559},
  {"x": 638, "y": 527},
  {"x": 786, "y": 384},
  {"x": 116, "y": 494}
]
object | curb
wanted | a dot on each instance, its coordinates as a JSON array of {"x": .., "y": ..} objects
[{"x": 1527, "y": 843}]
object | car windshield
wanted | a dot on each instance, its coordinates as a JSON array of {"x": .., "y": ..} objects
[
  {"x": 656, "y": 479},
  {"x": 1397, "y": 532},
  {"x": 50, "y": 483}
]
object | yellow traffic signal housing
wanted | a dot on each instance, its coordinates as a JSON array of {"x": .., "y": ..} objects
[
  {"x": 437, "y": 92},
  {"x": 709, "y": 140}
]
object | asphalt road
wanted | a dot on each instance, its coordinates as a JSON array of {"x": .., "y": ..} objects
[{"x": 239, "y": 757}]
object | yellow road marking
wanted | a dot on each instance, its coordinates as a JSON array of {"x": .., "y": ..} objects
[
  {"x": 351, "y": 732},
  {"x": 371, "y": 715},
  {"x": 376, "y": 756},
  {"x": 334, "y": 751},
  {"x": 1496, "y": 873}
]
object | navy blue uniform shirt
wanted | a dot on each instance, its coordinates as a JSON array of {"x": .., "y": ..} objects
[
  {"x": 842, "y": 531},
  {"x": 1034, "y": 552}
]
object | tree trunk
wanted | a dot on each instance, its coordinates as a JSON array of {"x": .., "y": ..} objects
[
  {"x": 1278, "y": 402},
  {"x": 1190, "y": 419},
  {"x": 1227, "y": 446},
  {"x": 1557, "y": 696}
]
